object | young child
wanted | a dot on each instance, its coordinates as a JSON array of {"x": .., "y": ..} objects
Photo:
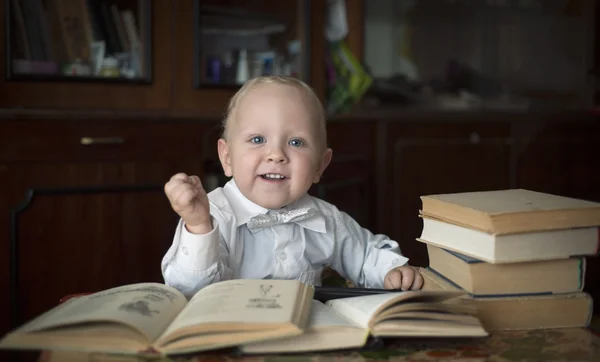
[{"x": 262, "y": 224}]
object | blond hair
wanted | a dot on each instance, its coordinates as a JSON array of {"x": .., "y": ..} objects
[{"x": 318, "y": 110}]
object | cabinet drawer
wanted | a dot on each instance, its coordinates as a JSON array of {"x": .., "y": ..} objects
[{"x": 51, "y": 140}]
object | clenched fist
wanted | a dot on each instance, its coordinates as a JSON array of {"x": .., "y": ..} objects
[
  {"x": 405, "y": 277},
  {"x": 188, "y": 199}
]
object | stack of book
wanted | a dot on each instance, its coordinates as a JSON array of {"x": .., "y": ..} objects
[{"x": 520, "y": 254}]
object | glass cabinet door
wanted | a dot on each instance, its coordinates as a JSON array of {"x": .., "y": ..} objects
[
  {"x": 82, "y": 40},
  {"x": 236, "y": 40},
  {"x": 480, "y": 54}
]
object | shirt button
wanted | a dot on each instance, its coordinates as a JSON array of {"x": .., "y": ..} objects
[
  {"x": 283, "y": 256},
  {"x": 184, "y": 251},
  {"x": 396, "y": 262}
]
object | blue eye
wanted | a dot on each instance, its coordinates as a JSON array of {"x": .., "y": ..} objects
[
  {"x": 296, "y": 142},
  {"x": 257, "y": 139}
]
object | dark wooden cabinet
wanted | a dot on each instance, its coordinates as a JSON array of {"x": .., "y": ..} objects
[
  {"x": 172, "y": 88},
  {"x": 85, "y": 208},
  {"x": 98, "y": 216},
  {"x": 348, "y": 181},
  {"x": 422, "y": 154},
  {"x": 432, "y": 157},
  {"x": 86, "y": 239},
  {"x": 97, "y": 94},
  {"x": 562, "y": 158}
]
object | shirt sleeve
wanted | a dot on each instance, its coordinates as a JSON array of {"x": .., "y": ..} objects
[
  {"x": 194, "y": 261},
  {"x": 361, "y": 256}
]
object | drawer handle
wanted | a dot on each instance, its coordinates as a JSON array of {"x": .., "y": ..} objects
[{"x": 89, "y": 141}]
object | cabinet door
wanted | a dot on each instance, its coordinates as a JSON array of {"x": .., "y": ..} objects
[
  {"x": 431, "y": 158},
  {"x": 347, "y": 182},
  {"x": 83, "y": 235},
  {"x": 213, "y": 36},
  {"x": 5, "y": 198},
  {"x": 39, "y": 69},
  {"x": 561, "y": 158},
  {"x": 90, "y": 216}
]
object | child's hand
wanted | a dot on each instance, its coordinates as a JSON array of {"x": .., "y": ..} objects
[
  {"x": 188, "y": 199},
  {"x": 405, "y": 277}
]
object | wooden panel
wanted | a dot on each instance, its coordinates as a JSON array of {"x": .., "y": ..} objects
[
  {"x": 61, "y": 140},
  {"x": 127, "y": 229},
  {"x": 317, "y": 46},
  {"x": 75, "y": 239},
  {"x": 562, "y": 159},
  {"x": 5, "y": 198},
  {"x": 348, "y": 182},
  {"x": 81, "y": 95},
  {"x": 427, "y": 131},
  {"x": 210, "y": 101},
  {"x": 349, "y": 190},
  {"x": 74, "y": 243},
  {"x": 355, "y": 10},
  {"x": 460, "y": 158}
]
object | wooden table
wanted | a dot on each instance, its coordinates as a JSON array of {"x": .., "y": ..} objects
[{"x": 515, "y": 346}]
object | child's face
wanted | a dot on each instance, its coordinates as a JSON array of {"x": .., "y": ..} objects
[{"x": 274, "y": 148}]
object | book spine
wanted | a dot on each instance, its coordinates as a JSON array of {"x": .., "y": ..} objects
[
  {"x": 582, "y": 267},
  {"x": 487, "y": 296},
  {"x": 590, "y": 310},
  {"x": 598, "y": 241}
]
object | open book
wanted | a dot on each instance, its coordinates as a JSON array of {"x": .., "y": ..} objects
[
  {"x": 154, "y": 318},
  {"x": 348, "y": 322}
]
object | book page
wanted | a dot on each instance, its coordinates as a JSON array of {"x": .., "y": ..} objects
[
  {"x": 359, "y": 309},
  {"x": 241, "y": 301},
  {"x": 362, "y": 309},
  {"x": 327, "y": 329},
  {"x": 322, "y": 315},
  {"x": 147, "y": 307}
]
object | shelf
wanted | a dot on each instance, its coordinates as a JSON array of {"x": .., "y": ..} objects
[
  {"x": 97, "y": 39},
  {"x": 237, "y": 22},
  {"x": 75, "y": 78},
  {"x": 229, "y": 86},
  {"x": 539, "y": 6},
  {"x": 248, "y": 38}
]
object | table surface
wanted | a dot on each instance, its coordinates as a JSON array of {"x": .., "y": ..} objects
[{"x": 577, "y": 344}]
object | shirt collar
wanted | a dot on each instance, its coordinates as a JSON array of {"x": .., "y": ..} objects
[{"x": 244, "y": 209}]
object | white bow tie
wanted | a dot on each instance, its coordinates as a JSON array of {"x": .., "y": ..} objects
[{"x": 279, "y": 217}]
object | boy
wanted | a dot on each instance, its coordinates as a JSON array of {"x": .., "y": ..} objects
[{"x": 262, "y": 224}]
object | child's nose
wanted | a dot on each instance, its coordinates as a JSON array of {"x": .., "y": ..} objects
[{"x": 276, "y": 155}]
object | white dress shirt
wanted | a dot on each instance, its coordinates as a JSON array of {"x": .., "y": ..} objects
[{"x": 297, "y": 250}]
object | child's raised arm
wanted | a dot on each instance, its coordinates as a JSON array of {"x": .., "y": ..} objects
[{"x": 198, "y": 256}]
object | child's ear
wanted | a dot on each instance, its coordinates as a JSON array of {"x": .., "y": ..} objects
[
  {"x": 224, "y": 156},
  {"x": 325, "y": 160}
]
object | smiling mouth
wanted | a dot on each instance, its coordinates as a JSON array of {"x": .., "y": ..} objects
[{"x": 273, "y": 177}]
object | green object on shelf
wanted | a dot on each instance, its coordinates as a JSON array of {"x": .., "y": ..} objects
[{"x": 351, "y": 80}]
